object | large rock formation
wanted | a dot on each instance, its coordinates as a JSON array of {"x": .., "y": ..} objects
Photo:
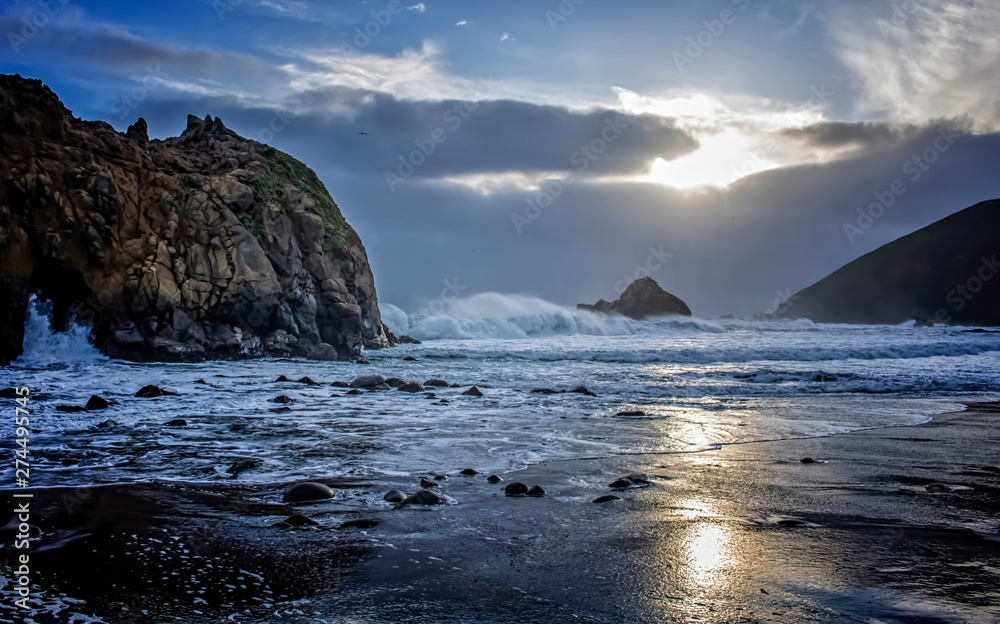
[
  {"x": 946, "y": 272},
  {"x": 207, "y": 245},
  {"x": 643, "y": 298}
]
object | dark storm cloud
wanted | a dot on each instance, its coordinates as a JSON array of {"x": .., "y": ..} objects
[
  {"x": 472, "y": 137},
  {"x": 115, "y": 49},
  {"x": 845, "y": 134}
]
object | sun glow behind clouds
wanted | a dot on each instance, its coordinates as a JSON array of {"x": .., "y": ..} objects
[
  {"x": 720, "y": 160},
  {"x": 734, "y": 141}
]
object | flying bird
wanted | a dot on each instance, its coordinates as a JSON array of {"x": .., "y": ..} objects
[{"x": 364, "y": 133}]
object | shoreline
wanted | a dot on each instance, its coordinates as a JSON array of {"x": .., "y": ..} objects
[{"x": 742, "y": 533}]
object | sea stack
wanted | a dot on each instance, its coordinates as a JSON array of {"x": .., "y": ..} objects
[
  {"x": 643, "y": 298},
  {"x": 203, "y": 246}
]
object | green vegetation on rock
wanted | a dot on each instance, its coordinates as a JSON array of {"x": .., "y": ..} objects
[{"x": 270, "y": 186}]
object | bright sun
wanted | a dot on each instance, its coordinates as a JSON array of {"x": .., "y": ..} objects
[{"x": 720, "y": 160}]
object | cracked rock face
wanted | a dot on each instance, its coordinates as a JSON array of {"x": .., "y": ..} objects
[{"x": 205, "y": 245}]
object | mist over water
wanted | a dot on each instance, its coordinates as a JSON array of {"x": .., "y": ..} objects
[{"x": 699, "y": 384}]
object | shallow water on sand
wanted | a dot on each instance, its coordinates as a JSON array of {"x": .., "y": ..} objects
[{"x": 698, "y": 383}]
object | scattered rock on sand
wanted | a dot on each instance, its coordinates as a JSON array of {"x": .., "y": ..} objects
[
  {"x": 535, "y": 490},
  {"x": 607, "y": 498},
  {"x": 283, "y": 398},
  {"x": 631, "y": 413},
  {"x": 494, "y": 479},
  {"x": 308, "y": 491},
  {"x": 177, "y": 422},
  {"x": 308, "y": 381},
  {"x": 395, "y": 382},
  {"x": 151, "y": 391},
  {"x": 281, "y": 378},
  {"x": 440, "y": 477},
  {"x": 473, "y": 391},
  {"x": 341, "y": 384},
  {"x": 296, "y": 520},
  {"x": 423, "y": 497},
  {"x": 636, "y": 478},
  {"x": 440, "y": 383},
  {"x": 322, "y": 352},
  {"x": 410, "y": 387},
  {"x": 469, "y": 472},
  {"x": 620, "y": 484},
  {"x": 515, "y": 489},
  {"x": 96, "y": 403},
  {"x": 368, "y": 381},
  {"x": 424, "y": 483},
  {"x": 394, "y": 496},
  {"x": 807, "y": 460}
]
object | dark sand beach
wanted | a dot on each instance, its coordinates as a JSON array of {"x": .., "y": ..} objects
[{"x": 746, "y": 533}]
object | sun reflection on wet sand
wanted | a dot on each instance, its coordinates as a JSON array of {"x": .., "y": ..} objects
[{"x": 707, "y": 547}]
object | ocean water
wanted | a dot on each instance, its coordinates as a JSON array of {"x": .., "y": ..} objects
[{"x": 700, "y": 383}]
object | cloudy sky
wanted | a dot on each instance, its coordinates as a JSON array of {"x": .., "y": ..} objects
[{"x": 561, "y": 149}]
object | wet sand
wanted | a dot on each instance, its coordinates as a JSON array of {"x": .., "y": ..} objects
[{"x": 745, "y": 533}]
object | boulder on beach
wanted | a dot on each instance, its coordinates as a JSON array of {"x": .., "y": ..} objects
[
  {"x": 323, "y": 352},
  {"x": 515, "y": 489},
  {"x": 423, "y": 497},
  {"x": 440, "y": 383},
  {"x": 535, "y": 490},
  {"x": 151, "y": 391},
  {"x": 494, "y": 479},
  {"x": 309, "y": 381},
  {"x": 394, "y": 496},
  {"x": 96, "y": 403},
  {"x": 308, "y": 491},
  {"x": 395, "y": 382},
  {"x": 473, "y": 391},
  {"x": 469, "y": 472},
  {"x": 410, "y": 387},
  {"x": 283, "y": 398},
  {"x": 426, "y": 484},
  {"x": 368, "y": 381},
  {"x": 607, "y": 498}
]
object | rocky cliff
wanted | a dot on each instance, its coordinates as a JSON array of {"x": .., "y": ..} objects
[
  {"x": 943, "y": 273},
  {"x": 206, "y": 245},
  {"x": 643, "y": 298}
]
